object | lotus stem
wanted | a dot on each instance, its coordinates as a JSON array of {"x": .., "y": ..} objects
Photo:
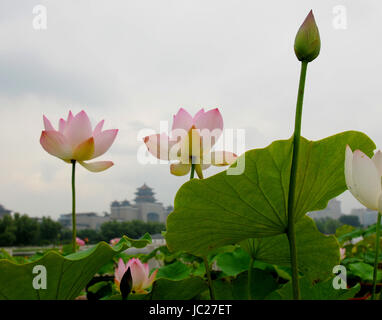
[
  {"x": 376, "y": 260},
  {"x": 192, "y": 171},
  {"x": 210, "y": 285},
  {"x": 291, "y": 233},
  {"x": 74, "y": 242},
  {"x": 250, "y": 269},
  {"x": 208, "y": 271}
]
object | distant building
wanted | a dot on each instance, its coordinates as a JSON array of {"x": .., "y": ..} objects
[
  {"x": 4, "y": 212},
  {"x": 366, "y": 216},
  {"x": 146, "y": 208},
  {"x": 333, "y": 210},
  {"x": 88, "y": 220}
]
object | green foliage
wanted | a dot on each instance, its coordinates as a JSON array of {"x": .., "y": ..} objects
[
  {"x": 364, "y": 271},
  {"x": 347, "y": 233},
  {"x": 67, "y": 276},
  {"x": 328, "y": 225},
  {"x": 133, "y": 229},
  {"x": 262, "y": 284},
  {"x": 253, "y": 204},
  {"x": 174, "y": 271},
  {"x": 22, "y": 230},
  {"x": 360, "y": 252},
  {"x": 230, "y": 220},
  {"x": 316, "y": 255},
  {"x": 7, "y": 231},
  {"x": 26, "y": 229},
  {"x": 342, "y": 233},
  {"x": 350, "y": 220},
  {"x": 233, "y": 263},
  {"x": 323, "y": 290},
  {"x": 48, "y": 231},
  {"x": 186, "y": 289},
  {"x": 92, "y": 236}
]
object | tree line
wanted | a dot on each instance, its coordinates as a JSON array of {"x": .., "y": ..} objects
[
  {"x": 22, "y": 230},
  {"x": 113, "y": 229},
  {"x": 329, "y": 225}
]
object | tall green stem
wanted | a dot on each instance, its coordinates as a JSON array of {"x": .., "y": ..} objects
[
  {"x": 250, "y": 269},
  {"x": 208, "y": 271},
  {"x": 292, "y": 183},
  {"x": 376, "y": 260},
  {"x": 192, "y": 171},
  {"x": 74, "y": 243},
  {"x": 209, "y": 279}
]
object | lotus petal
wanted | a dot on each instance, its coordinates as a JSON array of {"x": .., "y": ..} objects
[
  {"x": 96, "y": 166},
  {"x": 56, "y": 144}
]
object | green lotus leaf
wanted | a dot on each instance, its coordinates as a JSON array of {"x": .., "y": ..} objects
[
  {"x": 233, "y": 263},
  {"x": 323, "y": 290},
  {"x": 364, "y": 271},
  {"x": 65, "y": 276},
  {"x": 226, "y": 209},
  {"x": 317, "y": 253},
  {"x": 174, "y": 271},
  {"x": 186, "y": 289},
  {"x": 262, "y": 284}
]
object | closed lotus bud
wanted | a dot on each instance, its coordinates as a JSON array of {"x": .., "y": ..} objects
[{"x": 307, "y": 43}]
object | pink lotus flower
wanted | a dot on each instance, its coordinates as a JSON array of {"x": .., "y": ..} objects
[
  {"x": 139, "y": 273},
  {"x": 114, "y": 241},
  {"x": 75, "y": 140},
  {"x": 80, "y": 242},
  {"x": 191, "y": 141}
]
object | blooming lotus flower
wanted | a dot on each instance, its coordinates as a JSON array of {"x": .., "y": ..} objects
[
  {"x": 363, "y": 177},
  {"x": 190, "y": 142},
  {"x": 80, "y": 242},
  {"x": 139, "y": 274},
  {"x": 114, "y": 241},
  {"x": 75, "y": 140}
]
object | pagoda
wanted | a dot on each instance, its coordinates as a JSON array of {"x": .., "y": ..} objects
[{"x": 144, "y": 194}]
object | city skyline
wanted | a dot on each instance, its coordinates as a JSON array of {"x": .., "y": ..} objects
[{"x": 126, "y": 201}]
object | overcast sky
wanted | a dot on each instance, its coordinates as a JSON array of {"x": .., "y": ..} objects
[{"x": 134, "y": 63}]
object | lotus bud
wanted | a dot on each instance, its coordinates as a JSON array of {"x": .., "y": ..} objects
[{"x": 307, "y": 43}]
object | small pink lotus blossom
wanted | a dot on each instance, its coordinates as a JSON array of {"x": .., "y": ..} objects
[
  {"x": 75, "y": 140},
  {"x": 342, "y": 253},
  {"x": 139, "y": 273},
  {"x": 114, "y": 241},
  {"x": 80, "y": 242},
  {"x": 190, "y": 142}
]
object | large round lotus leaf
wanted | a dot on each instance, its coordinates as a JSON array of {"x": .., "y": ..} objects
[{"x": 226, "y": 209}]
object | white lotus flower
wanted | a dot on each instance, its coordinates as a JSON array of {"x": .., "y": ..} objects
[{"x": 364, "y": 177}]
